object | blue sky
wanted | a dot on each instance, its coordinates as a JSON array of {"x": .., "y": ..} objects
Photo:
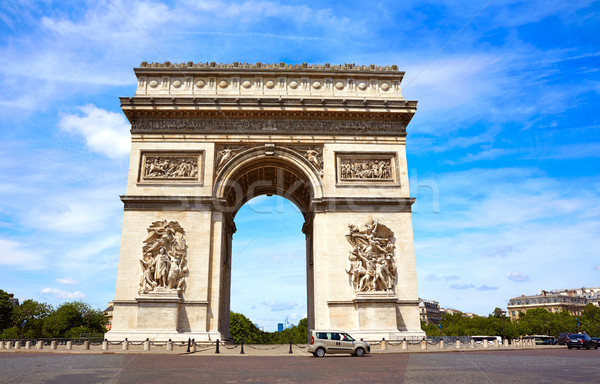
[{"x": 503, "y": 152}]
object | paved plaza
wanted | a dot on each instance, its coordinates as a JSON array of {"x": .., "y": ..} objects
[{"x": 555, "y": 365}]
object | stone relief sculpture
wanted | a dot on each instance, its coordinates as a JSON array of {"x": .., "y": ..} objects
[
  {"x": 352, "y": 169},
  {"x": 164, "y": 259},
  {"x": 170, "y": 167},
  {"x": 372, "y": 267},
  {"x": 312, "y": 153},
  {"x": 226, "y": 153}
]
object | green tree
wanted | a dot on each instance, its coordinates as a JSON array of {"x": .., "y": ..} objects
[
  {"x": 6, "y": 310},
  {"x": 590, "y": 320},
  {"x": 75, "y": 314},
  {"x": 30, "y": 316},
  {"x": 241, "y": 328}
]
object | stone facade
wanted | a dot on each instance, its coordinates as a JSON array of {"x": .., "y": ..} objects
[
  {"x": 552, "y": 302},
  {"x": 430, "y": 311},
  {"x": 206, "y": 138}
]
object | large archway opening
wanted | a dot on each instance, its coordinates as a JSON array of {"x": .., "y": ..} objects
[
  {"x": 268, "y": 266},
  {"x": 256, "y": 173}
]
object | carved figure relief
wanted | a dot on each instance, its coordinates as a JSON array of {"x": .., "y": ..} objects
[
  {"x": 164, "y": 259},
  {"x": 379, "y": 169},
  {"x": 167, "y": 167},
  {"x": 226, "y": 153},
  {"x": 313, "y": 153},
  {"x": 372, "y": 267}
]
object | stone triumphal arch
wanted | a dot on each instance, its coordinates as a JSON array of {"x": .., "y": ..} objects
[{"x": 206, "y": 138}]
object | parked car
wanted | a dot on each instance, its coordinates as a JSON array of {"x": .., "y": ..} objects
[
  {"x": 549, "y": 342},
  {"x": 578, "y": 340},
  {"x": 597, "y": 340},
  {"x": 331, "y": 341},
  {"x": 562, "y": 338}
]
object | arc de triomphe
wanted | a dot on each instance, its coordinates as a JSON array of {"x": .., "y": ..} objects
[{"x": 206, "y": 138}]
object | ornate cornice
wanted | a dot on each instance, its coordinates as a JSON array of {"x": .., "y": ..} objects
[
  {"x": 280, "y": 102},
  {"x": 348, "y": 67}
]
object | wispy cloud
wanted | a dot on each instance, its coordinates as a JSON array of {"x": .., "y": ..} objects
[
  {"x": 519, "y": 277},
  {"x": 434, "y": 277},
  {"x": 67, "y": 281},
  {"x": 280, "y": 306},
  {"x": 462, "y": 286},
  {"x": 104, "y": 132},
  {"x": 60, "y": 294},
  {"x": 16, "y": 255}
]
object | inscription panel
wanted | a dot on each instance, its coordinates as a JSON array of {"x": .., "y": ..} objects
[
  {"x": 368, "y": 168},
  {"x": 166, "y": 167}
]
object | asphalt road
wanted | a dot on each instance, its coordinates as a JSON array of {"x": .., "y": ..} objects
[{"x": 526, "y": 366}]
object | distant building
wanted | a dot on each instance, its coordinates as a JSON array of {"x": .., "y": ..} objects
[
  {"x": 108, "y": 312},
  {"x": 13, "y": 300},
  {"x": 553, "y": 301},
  {"x": 429, "y": 311},
  {"x": 451, "y": 311}
]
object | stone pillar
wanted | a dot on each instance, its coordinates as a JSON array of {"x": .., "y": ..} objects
[
  {"x": 458, "y": 343},
  {"x": 1, "y": 344},
  {"x": 40, "y": 344},
  {"x": 147, "y": 345},
  {"x": 169, "y": 346},
  {"x": 423, "y": 344},
  {"x": 472, "y": 343},
  {"x": 105, "y": 345},
  {"x": 27, "y": 344},
  {"x": 505, "y": 343},
  {"x": 404, "y": 344},
  {"x": 53, "y": 344},
  {"x": 496, "y": 343},
  {"x": 383, "y": 345},
  {"x": 70, "y": 344},
  {"x": 10, "y": 345},
  {"x": 441, "y": 343},
  {"x": 126, "y": 345},
  {"x": 485, "y": 343},
  {"x": 86, "y": 344}
]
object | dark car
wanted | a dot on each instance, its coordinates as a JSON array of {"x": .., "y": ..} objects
[
  {"x": 562, "y": 338},
  {"x": 578, "y": 340},
  {"x": 549, "y": 342},
  {"x": 597, "y": 340}
]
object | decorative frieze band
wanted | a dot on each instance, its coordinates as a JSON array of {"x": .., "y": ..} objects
[
  {"x": 266, "y": 126},
  {"x": 171, "y": 167},
  {"x": 366, "y": 167}
]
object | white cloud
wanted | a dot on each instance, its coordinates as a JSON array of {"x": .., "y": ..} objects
[
  {"x": 462, "y": 286},
  {"x": 60, "y": 294},
  {"x": 434, "y": 277},
  {"x": 15, "y": 255},
  {"x": 519, "y": 277},
  {"x": 506, "y": 220},
  {"x": 67, "y": 281},
  {"x": 105, "y": 132},
  {"x": 277, "y": 306}
]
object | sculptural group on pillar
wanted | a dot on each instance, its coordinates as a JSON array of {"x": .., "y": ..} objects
[
  {"x": 372, "y": 266},
  {"x": 164, "y": 263}
]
